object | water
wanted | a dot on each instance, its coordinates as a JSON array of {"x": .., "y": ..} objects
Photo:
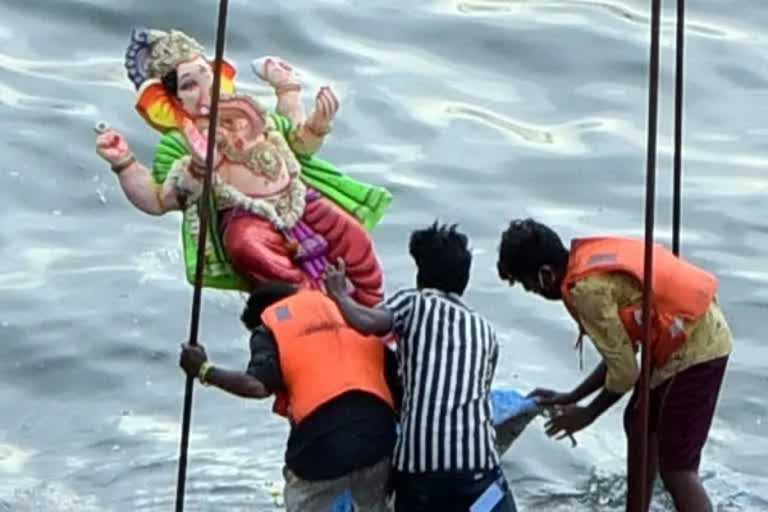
[{"x": 472, "y": 111}]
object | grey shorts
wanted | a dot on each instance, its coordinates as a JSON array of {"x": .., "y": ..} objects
[{"x": 366, "y": 488}]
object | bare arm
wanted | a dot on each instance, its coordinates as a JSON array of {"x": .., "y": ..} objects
[
  {"x": 304, "y": 140},
  {"x": 289, "y": 104},
  {"x": 263, "y": 375},
  {"x": 308, "y": 137},
  {"x": 237, "y": 383},
  {"x": 263, "y": 369},
  {"x": 602, "y": 402},
  {"x": 597, "y": 308},
  {"x": 284, "y": 81},
  {"x": 141, "y": 189},
  {"x": 592, "y": 383},
  {"x": 135, "y": 179},
  {"x": 595, "y": 301},
  {"x": 369, "y": 321}
]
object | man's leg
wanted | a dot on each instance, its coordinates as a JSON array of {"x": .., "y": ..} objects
[
  {"x": 491, "y": 493},
  {"x": 686, "y": 415},
  {"x": 370, "y": 487},
  {"x": 687, "y": 491},
  {"x": 507, "y": 502},
  {"x": 305, "y": 496},
  {"x": 631, "y": 429},
  {"x": 414, "y": 492},
  {"x": 454, "y": 492}
]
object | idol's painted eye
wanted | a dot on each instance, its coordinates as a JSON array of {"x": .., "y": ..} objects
[{"x": 188, "y": 85}]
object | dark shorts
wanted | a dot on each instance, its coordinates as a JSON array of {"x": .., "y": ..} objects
[
  {"x": 481, "y": 491},
  {"x": 680, "y": 413}
]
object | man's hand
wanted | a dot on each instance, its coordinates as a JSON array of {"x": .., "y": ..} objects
[
  {"x": 567, "y": 421},
  {"x": 547, "y": 397},
  {"x": 192, "y": 357},
  {"x": 336, "y": 280},
  {"x": 365, "y": 320}
]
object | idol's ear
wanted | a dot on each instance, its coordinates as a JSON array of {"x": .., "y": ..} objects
[{"x": 156, "y": 107}]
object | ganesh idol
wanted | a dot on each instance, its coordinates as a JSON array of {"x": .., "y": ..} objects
[{"x": 276, "y": 210}]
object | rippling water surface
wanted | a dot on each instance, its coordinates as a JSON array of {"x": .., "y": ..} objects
[{"x": 473, "y": 111}]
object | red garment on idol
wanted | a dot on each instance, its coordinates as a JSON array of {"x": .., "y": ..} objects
[{"x": 258, "y": 252}]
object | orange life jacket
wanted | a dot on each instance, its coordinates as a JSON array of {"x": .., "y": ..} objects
[
  {"x": 320, "y": 356},
  {"x": 680, "y": 291}
]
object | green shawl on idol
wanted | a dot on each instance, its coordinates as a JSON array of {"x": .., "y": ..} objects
[{"x": 367, "y": 203}]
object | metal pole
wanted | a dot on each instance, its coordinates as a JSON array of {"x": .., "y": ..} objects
[
  {"x": 678, "y": 159},
  {"x": 641, "y": 500},
  {"x": 204, "y": 222}
]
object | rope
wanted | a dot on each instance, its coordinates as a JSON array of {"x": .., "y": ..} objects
[
  {"x": 641, "y": 498},
  {"x": 204, "y": 222}
]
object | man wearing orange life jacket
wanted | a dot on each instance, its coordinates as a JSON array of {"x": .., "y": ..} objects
[
  {"x": 600, "y": 281},
  {"x": 333, "y": 384}
]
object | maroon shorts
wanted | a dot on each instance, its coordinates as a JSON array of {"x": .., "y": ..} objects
[{"x": 680, "y": 413}]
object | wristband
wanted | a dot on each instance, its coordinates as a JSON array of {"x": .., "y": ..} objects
[
  {"x": 319, "y": 133},
  {"x": 124, "y": 164},
  {"x": 203, "y": 373}
]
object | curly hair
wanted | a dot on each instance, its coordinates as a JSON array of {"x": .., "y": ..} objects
[
  {"x": 442, "y": 258},
  {"x": 262, "y": 296},
  {"x": 527, "y": 245}
]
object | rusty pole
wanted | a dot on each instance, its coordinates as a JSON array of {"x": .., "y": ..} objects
[
  {"x": 640, "y": 472},
  {"x": 204, "y": 222},
  {"x": 678, "y": 158}
]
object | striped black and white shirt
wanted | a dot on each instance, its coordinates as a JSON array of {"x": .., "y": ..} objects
[{"x": 447, "y": 356}]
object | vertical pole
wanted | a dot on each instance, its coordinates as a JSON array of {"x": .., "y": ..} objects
[
  {"x": 204, "y": 222},
  {"x": 639, "y": 482},
  {"x": 678, "y": 159}
]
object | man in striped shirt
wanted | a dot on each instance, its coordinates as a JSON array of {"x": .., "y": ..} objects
[{"x": 445, "y": 458}]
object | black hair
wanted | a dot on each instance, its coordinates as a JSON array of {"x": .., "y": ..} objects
[
  {"x": 442, "y": 258},
  {"x": 170, "y": 83},
  {"x": 527, "y": 245},
  {"x": 262, "y": 296}
]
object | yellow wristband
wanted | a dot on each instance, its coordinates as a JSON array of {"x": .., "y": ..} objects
[{"x": 203, "y": 373}]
